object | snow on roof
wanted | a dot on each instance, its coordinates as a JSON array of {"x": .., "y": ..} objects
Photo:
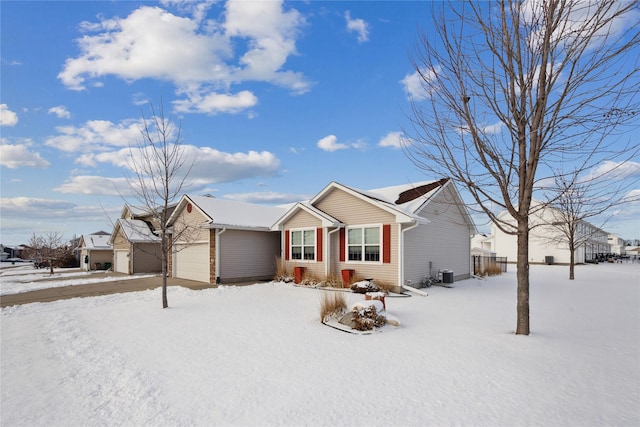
[
  {"x": 96, "y": 241},
  {"x": 237, "y": 214},
  {"x": 136, "y": 230},
  {"x": 407, "y": 198}
]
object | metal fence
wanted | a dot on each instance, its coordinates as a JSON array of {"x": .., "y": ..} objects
[{"x": 485, "y": 264}]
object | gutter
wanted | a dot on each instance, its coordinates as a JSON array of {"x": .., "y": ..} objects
[
  {"x": 403, "y": 285},
  {"x": 218, "y": 253}
]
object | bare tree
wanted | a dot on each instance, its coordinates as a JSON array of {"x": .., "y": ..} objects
[
  {"x": 514, "y": 90},
  {"x": 46, "y": 248},
  {"x": 580, "y": 207},
  {"x": 160, "y": 167}
]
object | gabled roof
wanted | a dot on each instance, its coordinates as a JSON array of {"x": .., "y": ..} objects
[
  {"x": 221, "y": 213},
  {"x": 95, "y": 241},
  {"x": 326, "y": 219},
  {"x": 404, "y": 201},
  {"x": 135, "y": 231}
]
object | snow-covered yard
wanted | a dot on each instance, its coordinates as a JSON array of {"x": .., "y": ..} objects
[
  {"x": 25, "y": 278},
  {"x": 258, "y": 355}
]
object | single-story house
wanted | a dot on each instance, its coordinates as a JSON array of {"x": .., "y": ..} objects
[
  {"x": 96, "y": 253},
  {"x": 136, "y": 248},
  {"x": 396, "y": 235},
  {"x": 547, "y": 244},
  {"x": 223, "y": 241}
]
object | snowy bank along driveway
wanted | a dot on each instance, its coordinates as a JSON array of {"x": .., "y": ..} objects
[{"x": 258, "y": 355}]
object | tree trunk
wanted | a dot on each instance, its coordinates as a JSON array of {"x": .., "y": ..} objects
[
  {"x": 165, "y": 262},
  {"x": 572, "y": 262},
  {"x": 522, "y": 275}
]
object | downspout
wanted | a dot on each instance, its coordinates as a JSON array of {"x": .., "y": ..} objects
[
  {"x": 328, "y": 246},
  {"x": 403, "y": 285},
  {"x": 218, "y": 233}
]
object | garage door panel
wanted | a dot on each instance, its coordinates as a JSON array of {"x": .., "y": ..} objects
[
  {"x": 121, "y": 261},
  {"x": 192, "y": 262}
]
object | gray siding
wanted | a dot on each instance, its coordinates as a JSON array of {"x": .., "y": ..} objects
[
  {"x": 146, "y": 258},
  {"x": 445, "y": 241},
  {"x": 248, "y": 255}
]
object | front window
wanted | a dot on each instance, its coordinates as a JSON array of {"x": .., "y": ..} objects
[
  {"x": 363, "y": 244},
  {"x": 303, "y": 244}
]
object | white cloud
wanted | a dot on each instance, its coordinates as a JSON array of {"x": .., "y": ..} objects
[
  {"x": 95, "y": 185},
  {"x": 96, "y": 135},
  {"x": 359, "y": 26},
  {"x": 209, "y": 165},
  {"x": 214, "y": 103},
  {"x": 30, "y": 206},
  {"x": 151, "y": 41},
  {"x": 420, "y": 85},
  {"x": 267, "y": 197},
  {"x": 215, "y": 166},
  {"x": 330, "y": 143},
  {"x": 7, "y": 117},
  {"x": 14, "y": 156},
  {"x": 614, "y": 170},
  {"x": 60, "y": 111},
  {"x": 392, "y": 139}
]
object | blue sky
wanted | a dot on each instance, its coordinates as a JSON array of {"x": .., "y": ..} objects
[{"x": 276, "y": 100}]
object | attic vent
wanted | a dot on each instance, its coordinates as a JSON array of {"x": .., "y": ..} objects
[{"x": 414, "y": 193}]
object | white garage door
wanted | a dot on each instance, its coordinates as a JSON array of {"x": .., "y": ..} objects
[
  {"x": 192, "y": 262},
  {"x": 121, "y": 261}
]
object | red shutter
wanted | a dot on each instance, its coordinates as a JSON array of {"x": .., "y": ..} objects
[
  {"x": 286, "y": 245},
  {"x": 342, "y": 245},
  {"x": 319, "y": 244},
  {"x": 386, "y": 243}
]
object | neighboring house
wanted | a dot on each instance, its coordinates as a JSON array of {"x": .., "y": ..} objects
[
  {"x": 547, "y": 244},
  {"x": 136, "y": 249},
  {"x": 96, "y": 253},
  {"x": 617, "y": 244},
  {"x": 223, "y": 241},
  {"x": 396, "y": 235}
]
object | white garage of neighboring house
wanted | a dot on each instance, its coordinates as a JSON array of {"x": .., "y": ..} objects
[
  {"x": 135, "y": 248},
  {"x": 223, "y": 241}
]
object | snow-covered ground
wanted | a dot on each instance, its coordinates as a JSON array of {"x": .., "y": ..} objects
[
  {"x": 258, "y": 355},
  {"x": 24, "y": 278}
]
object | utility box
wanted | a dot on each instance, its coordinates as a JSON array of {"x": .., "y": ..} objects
[
  {"x": 447, "y": 276},
  {"x": 548, "y": 260}
]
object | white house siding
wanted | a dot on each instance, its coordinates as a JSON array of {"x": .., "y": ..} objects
[
  {"x": 303, "y": 219},
  {"x": 445, "y": 241},
  {"x": 545, "y": 241},
  {"x": 248, "y": 255},
  {"x": 352, "y": 210}
]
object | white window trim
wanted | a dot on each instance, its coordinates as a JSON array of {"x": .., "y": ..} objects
[
  {"x": 315, "y": 244},
  {"x": 362, "y": 227}
]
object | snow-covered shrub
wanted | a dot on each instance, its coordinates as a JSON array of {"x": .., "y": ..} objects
[
  {"x": 364, "y": 286},
  {"x": 332, "y": 306},
  {"x": 366, "y": 317},
  {"x": 310, "y": 281}
]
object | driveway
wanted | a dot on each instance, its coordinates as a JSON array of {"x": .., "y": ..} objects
[{"x": 96, "y": 289}]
